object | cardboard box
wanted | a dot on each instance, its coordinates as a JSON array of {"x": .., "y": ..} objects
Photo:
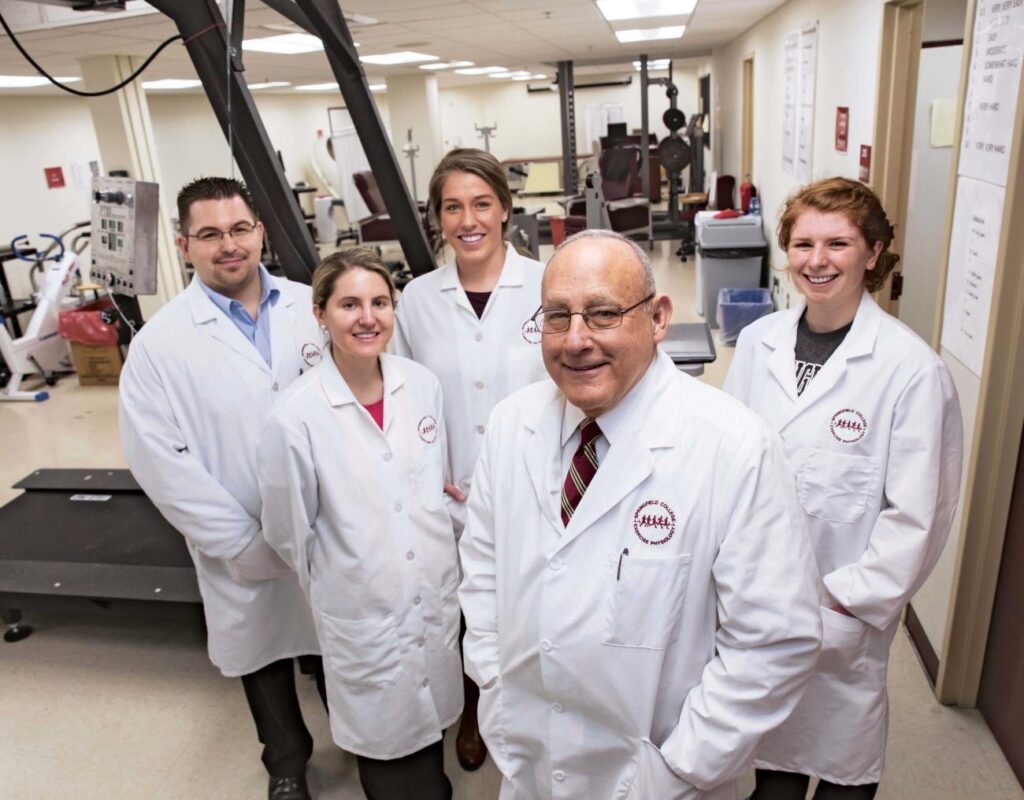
[{"x": 96, "y": 365}]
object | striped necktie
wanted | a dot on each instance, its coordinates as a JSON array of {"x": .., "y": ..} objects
[{"x": 581, "y": 470}]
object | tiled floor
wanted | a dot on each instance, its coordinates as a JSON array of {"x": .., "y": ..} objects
[{"x": 122, "y": 703}]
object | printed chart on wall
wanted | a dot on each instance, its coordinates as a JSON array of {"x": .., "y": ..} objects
[
  {"x": 805, "y": 113},
  {"x": 990, "y": 108},
  {"x": 789, "y": 98}
]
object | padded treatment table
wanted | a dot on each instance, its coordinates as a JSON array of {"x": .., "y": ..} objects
[
  {"x": 89, "y": 533},
  {"x": 690, "y": 346}
]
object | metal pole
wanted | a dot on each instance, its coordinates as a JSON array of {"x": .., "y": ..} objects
[
  {"x": 323, "y": 18},
  {"x": 567, "y": 103},
  {"x": 645, "y": 137},
  {"x": 202, "y": 25}
]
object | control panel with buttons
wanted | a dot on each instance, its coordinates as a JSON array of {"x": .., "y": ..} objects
[{"x": 124, "y": 230}]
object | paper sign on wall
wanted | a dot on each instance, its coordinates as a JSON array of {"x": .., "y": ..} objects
[
  {"x": 805, "y": 111},
  {"x": 973, "y": 250},
  {"x": 842, "y": 128},
  {"x": 54, "y": 177},
  {"x": 992, "y": 83},
  {"x": 943, "y": 122},
  {"x": 789, "y": 99}
]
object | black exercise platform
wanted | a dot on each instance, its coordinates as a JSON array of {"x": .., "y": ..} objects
[{"x": 89, "y": 533}]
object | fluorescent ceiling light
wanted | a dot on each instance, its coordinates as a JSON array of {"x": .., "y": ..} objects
[
  {"x": 378, "y": 87},
  {"x": 286, "y": 44},
  {"x": 447, "y": 65},
  {"x": 172, "y": 83},
  {"x": 650, "y": 34},
  {"x": 401, "y": 57},
  {"x": 317, "y": 87},
  {"x": 657, "y": 63},
  {"x": 641, "y": 9},
  {"x": 480, "y": 70},
  {"x": 28, "y": 81},
  {"x": 269, "y": 85},
  {"x": 535, "y": 77},
  {"x": 517, "y": 74}
]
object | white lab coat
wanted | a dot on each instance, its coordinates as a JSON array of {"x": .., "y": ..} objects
[
  {"x": 479, "y": 361},
  {"x": 653, "y": 678},
  {"x": 358, "y": 514},
  {"x": 194, "y": 395},
  {"x": 875, "y": 442}
]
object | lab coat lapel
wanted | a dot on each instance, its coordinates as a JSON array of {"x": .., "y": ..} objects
[
  {"x": 781, "y": 340},
  {"x": 393, "y": 380},
  {"x": 859, "y": 341},
  {"x": 450, "y": 283},
  {"x": 282, "y": 326},
  {"x": 629, "y": 461},
  {"x": 543, "y": 456},
  {"x": 212, "y": 322}
]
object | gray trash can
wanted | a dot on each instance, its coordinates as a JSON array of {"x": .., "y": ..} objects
[{"x": 730, "y": 253}]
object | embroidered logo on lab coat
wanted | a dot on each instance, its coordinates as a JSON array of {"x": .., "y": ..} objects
[
  {"x": 848, "y": 426},
  {"x": 311, "y": 354},
  {"x": 654, "y": 522},
  {"x": 531, "y": 333},
  {"x": 427, "y": 429}
]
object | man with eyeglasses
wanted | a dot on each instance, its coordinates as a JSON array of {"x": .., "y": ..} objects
[
  {"x": 640, "y": 596},
  {"x": 198, "y": 384}
]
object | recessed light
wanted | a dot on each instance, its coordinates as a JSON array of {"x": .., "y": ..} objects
[
  {"x": 447, "y": 65},
  {"x": 269, "y": 85},
  {"x": 517, "y": 74},
  {"x": 643, "y": 9},
  {"x": 378, "y": 87},
  {"x": 480, "y": 70},
  {"x": 650, "y": 34},
  {"x": 539, "y": 76},
  {"x": 28, "y": 81},
  {"x": 657, "y": 63},
  {"x": 317, "y": 87},
  {"x": 401, "y": 57},
  {"x": 172, "y": 83},
  {"x": 285, "y": 44}
]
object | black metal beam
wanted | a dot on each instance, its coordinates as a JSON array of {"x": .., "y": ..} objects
[
  {"x": 567, "y": 104},
  {"x": 202, "y": 26},
  {"x": 323, "y": 18}
]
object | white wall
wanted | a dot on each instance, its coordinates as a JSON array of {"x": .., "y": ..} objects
[
  {"x": 38, "y": 132},
  {"x": 846, "y": 75},
  {"x": 529, "y": 124}
]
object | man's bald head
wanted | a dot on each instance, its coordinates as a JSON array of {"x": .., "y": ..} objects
[{"x": 597, "y": 236}]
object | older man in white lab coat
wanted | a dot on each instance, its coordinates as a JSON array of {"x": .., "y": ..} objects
[
  {"x": 199, "y": 382},
  {"x": 640, "y": 595}
]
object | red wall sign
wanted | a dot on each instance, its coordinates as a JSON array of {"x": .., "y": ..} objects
[
  {"x": 54, "y": 177},
  {"x": 865, "y": 163},
  {"x": 842, "y": 127}
]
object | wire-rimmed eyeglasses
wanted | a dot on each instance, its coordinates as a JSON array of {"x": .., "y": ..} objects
[
  {"x": 239, "y": 232},
  {"x": 597, "y": 317}
]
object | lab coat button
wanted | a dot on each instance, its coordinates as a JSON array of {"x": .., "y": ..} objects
[
  {"x": 479, "y": 336},
  {"x": 558, "y": 707},
  {"x": 479, "y": 428},
  {"x": 398, "y": 507},
  {"x": 410, "y": 555},
  {"x": 387, "y": 456},
  {"x": 555, "y": 564},
  {"x": 426, "y": 682},
  {"x": 479, "y": 384},
  {"x": 545, "y": 645},
  {"x": 421, "y": 641},
  {"x": 274, "y": 387},
  {"x": 417, "y": 600},
  {"x": 558, "y": 775}
]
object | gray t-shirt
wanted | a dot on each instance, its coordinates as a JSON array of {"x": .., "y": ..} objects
[{"x": 813, "y": 350}]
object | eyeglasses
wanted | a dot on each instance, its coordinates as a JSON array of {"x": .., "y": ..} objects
[
  {"x": 239, "y": 232},
  {"x": 597, "y": 318}
]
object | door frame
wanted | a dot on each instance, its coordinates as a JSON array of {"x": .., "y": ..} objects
[{"x": 747, "y": 119}]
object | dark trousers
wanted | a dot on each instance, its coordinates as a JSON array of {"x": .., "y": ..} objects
[
  {"x": 776, "y": 785},
  {"x": 419, "y": 776},
  {"x": 274, "y": 704}
]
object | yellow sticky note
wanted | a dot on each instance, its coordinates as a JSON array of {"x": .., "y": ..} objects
[{"x": 943, "y": 119}]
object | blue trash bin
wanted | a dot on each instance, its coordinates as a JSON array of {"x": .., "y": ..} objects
[{"x": 737, "y": 308}]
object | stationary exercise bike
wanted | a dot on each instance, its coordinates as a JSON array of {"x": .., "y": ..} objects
[{"x": 41, "y": 351}]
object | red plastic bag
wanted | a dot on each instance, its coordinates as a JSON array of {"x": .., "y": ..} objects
[{"x": 86, "y": 326}]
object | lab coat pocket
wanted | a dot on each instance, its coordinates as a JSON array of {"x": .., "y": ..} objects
[
  {"x": 655, "y": 779},
  {"x": 645, "y": 599},
  {"x": 843, "y": 641},
  {"x": 362, "y": 651},
  {"x": 525, "y": 366},
  {"x": 430, "y": 477},
  {"x": 834, "y": 486}
]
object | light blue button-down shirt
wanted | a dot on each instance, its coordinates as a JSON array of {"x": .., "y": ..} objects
[{"x": 256, "y": 331}]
